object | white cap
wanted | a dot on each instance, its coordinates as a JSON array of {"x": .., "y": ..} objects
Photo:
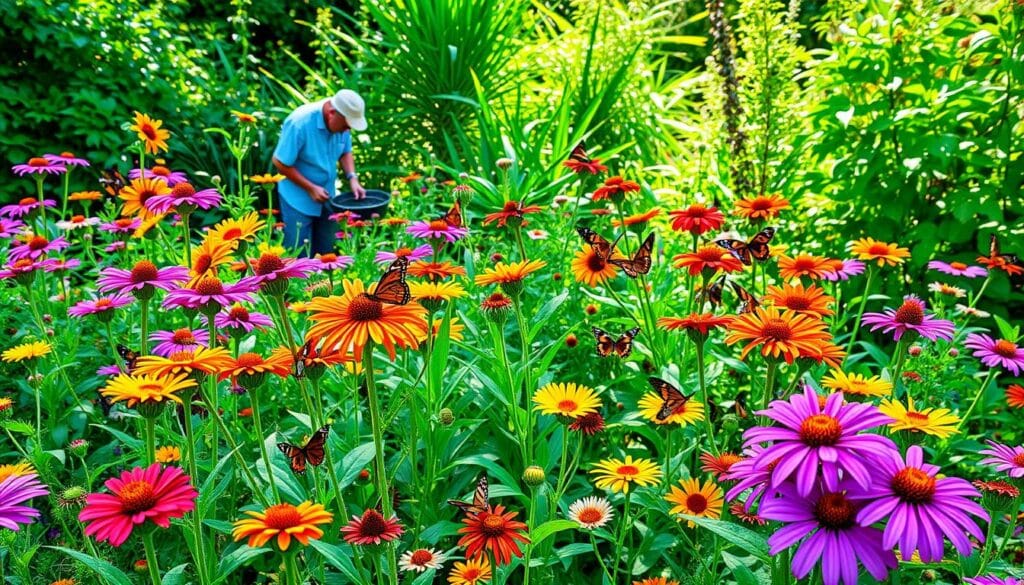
[{"x": 349, "y": 104}]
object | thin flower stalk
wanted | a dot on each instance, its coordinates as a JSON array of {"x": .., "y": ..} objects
[
  {"x": 860, "y": 310},
  {"x": 992, "y": 373},
  {"x": 378, "y": 442}
]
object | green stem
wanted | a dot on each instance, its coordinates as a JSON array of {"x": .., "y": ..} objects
[
  {"x": 211, "y": 323},
  {"x": 239, "y": 459},
  {"x": 144, "y": 326},
  {"x": 600, "y": 559},
  {"x": 860, "y": 310},
  {"x": 151, "y": 561},
  {"x": 519, "y": 241},
  {"x": 187, "y": 237},
  {"x": 769, "y": 384},
  {"x": 291, "y": 570},
  {"x": 623, "y": 527},
  {"x": 150, "y": 440},
  {"x": 527, "y": 375},
  {"x": 704, "y": 396},
  {"x": 378, "y": 442},
  {"x": 989, "y": 533},
  {"x": 513, "y": 398},
  {"x": 254, "y": 394},
  {"x": 977, "y": 398},
  {"x": 532, "y": 521}
]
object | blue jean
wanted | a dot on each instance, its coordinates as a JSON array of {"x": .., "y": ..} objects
[{"x": 308, "y": 235}]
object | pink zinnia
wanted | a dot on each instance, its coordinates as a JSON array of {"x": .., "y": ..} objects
[
  {"x": 437, "y": 229},
  {"x": 371, "y": 528},
  {"x": 152, "y": 493},
  {"x": 39, "y": 165},
  {"x": 957, "y": 269},
  {"x": 114, "y": 247},
  {"x": 183, "y": 195},
  {"x": 98, "y": 306},
  {"x": 911, "y": 318},
  {"x": 25, "y": 207},
  {"x": 850, "y": 268},
  {"x": 143, "y": 276},
  {"x": 36, "y": 247},
  {"x": 414, "y": 254},
  {"x": 67, "y": 159},
  {"x": 183, "y": 339},
  {"x": 211, "y": 290},
  {"x": 1005, "y": 458},
  {"x": 992, "y": 353}
]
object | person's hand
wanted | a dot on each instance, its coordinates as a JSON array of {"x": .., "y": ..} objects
[
  {"x": 318, "y": 194},
  {"x": 357, "y": 190}
]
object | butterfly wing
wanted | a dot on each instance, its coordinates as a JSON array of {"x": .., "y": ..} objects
[
  {"x": 112, "y": 180},
  {"x": 624, "y": 344},
  {"x": 392, "y": 288},
  {"x": 713, "y": 292},
  {"x": 296, "y": 454},
  {"x": 748, "y": 302},
  {"x": 605, "y": 343},
  {"x": 602, "y": 247},
  {"x": 306, "y": 352},
  {"x": 316, "y": 448},
  {"x": 105, "y": 402},
  {"x": 454, "y": 215},
  {"x": 758, "y": 247},
  {"x": 641, "y": 261},
  {"x": 579, "y": 153},
  {"x": 129, "y": 356},
  {"x": 480, "y": 498},
  {"x": 737, "y": 248},
  {"x": 671, "y": 398},
  {"x": 741, "y": 404}
]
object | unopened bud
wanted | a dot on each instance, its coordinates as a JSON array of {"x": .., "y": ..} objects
[{"x": 534, "y": 476}]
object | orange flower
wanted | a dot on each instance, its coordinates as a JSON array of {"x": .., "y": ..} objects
[
  {"x": 411, "y": 177},
  {"x": 810, "y": 301},
  {"x": 138, "y": 192},
  {"x": 872, "y": 249},
  {"x": 85, "y": 196},
  {"x": 614, "y": 187},
  {"x": 1015, "y": 396},
  {"x": 808, "y": 265},
  {"x": 285, "y": 522},
  {"x": 589, "y": 268},
  {"x": 493, "y": 530},
  {"x": 787, "y": 335},
  {"x": 348, "y": 322},
  {"x": 435, "y": 270},
  {"x": 213, "y": 252},
  {"x": 150, "y": 133},
  {"x": 202, "y": 359},
  {"x": 511, "y": 273},
  {"x": 512, "y": 213},
  {"x": 638, "y": 218},
  {"x": 252, "y": 367},
  {"x": 697, "y": 219},
  {"x": 708, "y": 258},
  {"x": 761, "y": 207},
  {"x": 701, "y": 323}
]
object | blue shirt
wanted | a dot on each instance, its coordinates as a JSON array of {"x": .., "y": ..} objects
[{"x": 308, "y": 145}]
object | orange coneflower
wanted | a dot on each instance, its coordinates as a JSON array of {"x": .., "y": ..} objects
[
  {"x": 411, "y": 177},
  {"x": 827, "y": 353},
  {"x": 871, "y": 249},
  {"x": 85, "y": 196},
  {"x": 1015, "y": 396},
  {"x": 202, "y": 359},
  {"x": 511, "y": 213},
  {"x": 761, "y": 207},
  {"x": 615, "y": 187},
  {"x": 244, "y": 117},
  {"x": 697, "y": 219},
  {"x": 718, "y": 464},
  {"x": 283, "y": 522},
  {"x": 150, "y": 133},
  {"x": 471, "y": 572},
  {"x": 637, "y": 218},
  {"x": 138, "y": 192},
  {"x": 249, "y": 369},
  {"x": 656, "y": 581},
  {"x": 348, "y": 322},
  {"x": 435, "y": 270},
  {"x": 231, "y": 230},
  {"x": 807, "y": 265},
  {"x": 591, "y": 269},
  {"x": 696, "y": 499},
  {"x": 809, "y": 301},
  {"x": 207, "y": 257},
  {"x": 701, "y": 323},
  {"x": 146, "y": 389},
  {"x": 707, "y": 258},
  {"x": 493, "y": 530},
  {"x": 787, "y": 334}
]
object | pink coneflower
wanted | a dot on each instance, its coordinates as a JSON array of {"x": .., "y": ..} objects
[
  {"x": 812, "y": 434},
  {"x": 371, "y": 528},
  {"x": 10, "y": 228},
  {"x": 850, "y": 268},
  {"x": 209, "y": 290},
  {"x": 170, "y": 177},
  {"x": 332, "y": 261},
  {"x": 67, "y": 159},
  {"x": 122, "y": 226},
  {"x": 413, "y": 254},
  {"x": 102, "y": 307},
  {"x": 23, "y": 270},
  {"x": 114, "y": 247},
  {"x": 183, "y": 196},
  {"x": 39, "y": 165},
  {"x": 271, "y": 268},
  {"x": 920, "y": 507},
  {"x": 25, "y": 207},
  {"x": 910, "y": 317},
  {"x": 697, "y": 219},
  {"x": 111, "y": 370},
  {"x": 992, "y": 353},
  {"x": 77, "y": 222},
  {"x": 1005, "y": 458},
  {"x": 62, "y": 264},
  {"x": 241, "y": 318},
  {"x": 138, "y": 495},
  {"x": 34, "y": 247},
  {"x": 183, "y": 339},
  {"x": 749, "y": 473},
  {"x": 15, "y": 490},
  {"x": 437, "y": 229},
  {"x": 993, "y": 580},
  {"x": 142, "y": 279},
  {"x": 958, "y": 269}
]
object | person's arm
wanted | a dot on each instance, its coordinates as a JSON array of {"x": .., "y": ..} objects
[
  {"x": 316, "y": 192},
  {"x": 348, "y": 167}
]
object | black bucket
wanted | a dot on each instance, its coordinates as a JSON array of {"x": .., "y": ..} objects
[{"x": 375, "y": 203}]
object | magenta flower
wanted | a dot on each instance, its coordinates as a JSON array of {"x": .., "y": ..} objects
[
  {"x": 211, "y": 290},
  {"x": 240, "y": 318},
  {"x": 39, "y": 165},
  {"x": 67, "y": 159},
  {"x": 1005, "y": 458},
  {"x": 114, "y": 247},
  {"x": 102, "y": 307},
  {"x": 850, "y": 268},
  {"x": 36, "y": 247},
  {"x": 124, "y": 226},
  {"x": 824, "y": 519},
  {"x": 993, "y": 580},
  {"x": 62, "y": 264},
  {"x": 144, "y": 276},
  {"x": 10, "y": 228},
  {"x": 183, "y": 339},
  {"x": 184, "y": 195},
  {"x": 418, "y": 253},
  {"x": 15, "y": 490},
  {"x": 812, "y": 436},
  {"x": 271, "y": 267},
  {"x": 168, "y": 176},
  {"x": 332, "y": 261},
  {"x": 957, "y": 269},
  {"x": 992, "y": 353},
  {"x": 111, "y": 370},
  {"x": 25, "y": 207},
  {"x": 748, "y": 475},
  {"x": 910, "y": 318},
  {"x": 437, "y": 229},
  {"x": 920, "y": 507},
  {"x": 23, "y": 270}
]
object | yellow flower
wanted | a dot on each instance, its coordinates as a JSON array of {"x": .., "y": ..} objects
[
  {"x": 231, "y": 230},
  {"x": 168, "y": 454},
  {"x": 201, "y": 359},
  {"x": 138, "y": 192},
  {"x": 472, "y": 572},
  {"x": 509, "y": 273},
  {"x": 439, "y": 291},
  {"x": 454, "y": 330},
  {"x": 938, "y": 422},
  {"x": 267, "y": 179},
  {"x": 872, "y": 249},
  {"x": 148, "y": 223},
  {"x": 264, "y": 248},
  {"x": 150, "y": 133},
  {"x": 856, "y": 384},
  {"x": 26, "y": 351},
  {"x": 618, "y": 475},
  {"x": 695, "y": 499},
  {"x": 569, "y": 400},
  {"x": 15, "y": 470},
  {"x": 283, "y": 521},
  {"x": 146, "y": 389},
  {"x": 687, "y": 413}
]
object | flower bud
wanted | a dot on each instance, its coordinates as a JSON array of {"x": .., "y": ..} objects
[
  {"x": 446, "y": 416},
  {"x": 141, "y": 566},
  {"x": 953, "y": 352},
  {"x": 78, "y": 447},
  {"x": 504, "y": 163},
  {"x": 534, "y": 476},
  {"x": 571, "y": 340},
  {"x": 914, "y": 350}
]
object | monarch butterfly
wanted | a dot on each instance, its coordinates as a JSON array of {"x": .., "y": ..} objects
[
  {"x": 641, "y": 261},
  {"x": 671, "y": 398},
  {"x": 748, "y": 302},
  {"x": 622, "y": 346},
  {"x": 602, "y": 248},
  {"x": 712, "y": 293},
  {"x": 757, "y": 248},
  {"x": 313, "y": 453},
  {"x": 480, "y": 498},
  {"x": 454, "y": 215},
  {"x": 579, "y": 153},
  {"x": 306, "y": 352},
  {"x": 996, "y": 256},
  {"x": 112, "y": 180},
  {"x": 129, "y": 356},
  {"x": 391, "y": 288}
]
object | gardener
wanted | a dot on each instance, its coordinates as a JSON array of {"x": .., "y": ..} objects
[{"x": 314, "y": 139}]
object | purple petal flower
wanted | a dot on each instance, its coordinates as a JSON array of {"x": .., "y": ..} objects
[
  {"x": 1005, "y": 458},
  {"x": 39, "y": 165},
  {"x": 62, "y": 264},
  {"x": 958, "y": 269},
  {"x": 125, "y": 225},
  {"x": 170, "y": 177},
  {"x": 67, "y": 159},
  {"x": 850, "y": 268},
  {"x": 437, "y": 229},
  {"x": 333, "y": 261},
  {"x": 910, "y": 317},
  {"x": 993, "y": 580},
  {"x": 1002, "y": 353},
  {"x": 25, "y": 207},
  {"x": 181, "y": 195},
  {"x": 184, "y": 339},
  {"x": 98, "y": 306},
  {"x": 14, "y": 491},
  {"x": 212, "y": 290},
  {"x": 36, "y": 247},
  {"x": 143, "y": 274},
  {"x": 418, "y": 253},
  {"x": 10, "y": 228},
  {"x": 241, "y": 318}
]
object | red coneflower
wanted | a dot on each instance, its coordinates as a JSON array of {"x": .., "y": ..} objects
[
  {"x": 512, "y": 213},
  {"x": 739, "y": 511},
  {"x": 371, "y": 528},
  {"x": 589, "y": 424},
  {"x": 697, "y": 219},
  {"x": 493, "y": 530},
  {"x": 718, "y": 464},
  {"x": 1015, "y": 396},
  {"x": 707, "y": 258},
  {"x": 615, "y": 187}
]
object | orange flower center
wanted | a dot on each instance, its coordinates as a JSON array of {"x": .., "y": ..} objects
[
  {"x": 26, "y": 201},
  {"x": 1006, "y": 349},
  {"x": 710, "y": 254},
  {"x": 103, "y": 303},
  {"x": 627, "y": 470},
  {"x": 77, "y": 218},
  {"x": 269, "y": 263},
  {"x": 879, "y": 249},
  {"x": 328, "y": 258},
  {"x": 958, "y": 266},
  {"x": 776, "y": 330},
  {"x": 144, "y": 271},
  {"x": 762, "y": 204},
  {"x": 595, "y": 263},
  {"x": 202, "y": 263},
  {"x": 149, "y": 131},
  {"x": 797, "y": 303},
  {"x": 160, "y": 171},
  {"x": 510, "y": 207},
  {"x": 249, "y": 360},
  {"x": 211, "y": 285},
  {"x": 23, "y": 263},
  {"x": 493, "y": 525},
  {"x": 38, "y": 162},
  {"x": 183, "y": 337},
  {"x": 38, "y": 243},
  {"x": 239, "y": 313},
  {"x": 820, "y": 430},
  {"x": 182, "y": 190},
  {"x": 67, "y": 154},
  {"x": 363, "y": 308},
  {"x": 471, "y": 574},
  {"x": 137, "y": 496},
  {"x": 696, "y": 503},
  {"x": 697, "y": 212},
  {"x": 439, "y": 225},
  {"x": 567, "y": 406},
  {"x": 145, "y": 193},
  {"x": 833, "y": 510},
  {"x": 910, "y": 312},
  {"x": 373, "y": 524},
  {"x": 282, "y": 517},
  {"x": 913, "y": 485},
  {"x": 399, "y": 253},
  {"x": 590, "y": 515},
  {"x": 917, "y": 417},
  {"x": 123, "y": 222},
  {"x": 1018, "y": 460},
  {"x": 805, "y": 264},
  {"x": 421, "y": 557}
]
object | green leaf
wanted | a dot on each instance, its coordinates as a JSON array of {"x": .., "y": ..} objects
[
  {"x": 108, "y": 573},
  {"x": 1006, "y": 331},
  {"x": 237, "y": 558},
  {"x": 744, "y": 538},
  {"x": 549, "y": 528},
  {"x": 19, "y": 427},
  {"x": 337, "y": 557},
  {"x": 354, "y": 461},
  {"x": 742, "y": 573},
  {"x": 175, "y": 576}
]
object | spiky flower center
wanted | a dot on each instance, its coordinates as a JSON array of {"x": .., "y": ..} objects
[
  {"x": 710, "y": 254},
  {"x": 797, "y": 302},
  {"x": 879, "y": 249},
  {"x": 373, "y": 524},
  {"x": 102, "y": 304},
  {"x": 777, "y": 330},
  {"x": 268, "y": 264},
  {"x": 590, "y": 515},
  {"x": 439, "y": 225},
  {"x": 492, "y": 525},
  {"x": 183, "y": 190},
  {"x": 496, "y": 301},
  {"x": 210, "y": 285},
  {"x": 77, "y": 219},
  {"x": 282, "y": 517},
  {"x": 958, "y": 266},
  {"x": 363, "y": 308},
  {"x": 183, "y": 337},
  {"x": 833, "y": 510},
  {"x": 627, "y": 470},
  {"x": 917, "y": 417},
  {"x": 696, "y": 503},
  {"x": 238, "y": 313},
  {"x": 911, "y": 312},
  {"x": 38, "y": 243},
  {"x": 249, "y": 360},
  {"x": 202, "y": 263},
  {"x": 567, "y": 406},
  {"x": 762, "y": 204},
  {"x": 328, "y": 258},
  {"x": 144, "y": 271},
  {"x": 421, "y": 557},
  {"x": 137, "y": 496},
  {"x": 124, "y": 222},
  {"x": 820, "y": 430},
  {"x": 913, "y": 485},
  {"x": 160, "y": 171},
  {"x": 38, "y": 162},
  {"x": 26, "y": 201},
  {"x": 67, "y": 154},
  {"x": 1005, "y": 348},
  {"x": 1018, "y": 460},
  {"x": 595, "y": 263},
  {"x": 148, "y": 130},
  {"x": 510, "y": 207}
]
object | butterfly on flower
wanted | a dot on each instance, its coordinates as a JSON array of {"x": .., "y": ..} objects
[
  {"x": 480, "y": 498},
  {"x": 392, "y": 288},
  {"x": 113, "y": 181},
  {"x": 672, "y": 400},
  {"x": 640, "y": 263},
  {"x": 305, "y": 353},
  {"x": 313, "y": 453},
  {"x": 129, "y": 356},
  {"x": 579, "y": 153},
  {"x": 602, "y": 248},
  {"x": 454, "y": 215},
  {"x": 756, "y": 249},
  {"x": 607, "y": 345},
  {"x": 712, "y": 293},
  {"x": 748, "y": 302}
]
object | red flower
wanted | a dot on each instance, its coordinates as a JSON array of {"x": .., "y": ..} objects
[
  {"x": 592, "y": 166},
  {"x": 710, "y": 258},
  {"x": 493, "y": 530},
  {"x": 697, "y": 219},
  {"x": 718, "y": 464},
  {"x": 615, "y": 186},
  {"x": 512, "y": 212},
  {"x": 589, "y": 424},
  {"x": 371, "y": 528}
]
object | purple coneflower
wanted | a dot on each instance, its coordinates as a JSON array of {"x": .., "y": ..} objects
[
  {"x": 10, "y": 228},
  {"x": 241, "y": 318},
  {"x": 992, "y": 353},
  {"x": 1005, "y": 458},
  {"x": 957, "y": 269},
  {"x": 142, "y": 279},
  {"x": 67, "y": 159},
  {"x": 332, "y": 261},
  {"x": 62, "y": 264},
  {"x": 748, "y": 475},
  {"x": 850, "y": 268},
  {"x": 114, "y": 247},
  {"x": 14, "y": 491},
  {"x": 39, "y": 165},
  {"x": 209, "y": 290},
  {"x": 272, "y": 272},
  {"x": 413, "y": 254},
  {"x": 102, "y": 307},
  {"x": 170, "y": 177},
  {"x": 123, "y": 226},
  {"x": 910, "y": 317},
  {"x": 23, "y": 270},
  {"x": 111, "y": 370},
  {"x": 920, "y": 507},
  {"x": 182, "y": 197},
  {"x": 183, "y": 339},
  {"x": 826, "y": 517},
  {"x": 25, "y": 207},
  {"x": 35, "y": 247},
  {"x": 437, "y": 229},
  {"x": 813, "y": 434},
  {"x": 993, "y": 580}
]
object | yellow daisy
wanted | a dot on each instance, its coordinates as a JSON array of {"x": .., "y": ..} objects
[
  {"x": 687, "y": 413},
  {"x": 869, "y": 249},
  {"x": 168, "y": 454},
  {"x": 695, "y": 499},
  {"x": 147, "y": 389},
  {"x": 617, "y": 475},
  {"x": 569, "y": 400},
  {"x": 231, "y": 230},
  {"x": 454, "y": 330},
  {"x": 15, "y": 470},
  {"x": 26, "y": 351},
  {"x": 150, "y": 133},
  {"x": 436, "y": 291},
  {"x": 856, "y": 384},
  {"x": 267, "y": 179},
  {"x": 938, "y": 422},
  {"x": 514, "y": 272}
]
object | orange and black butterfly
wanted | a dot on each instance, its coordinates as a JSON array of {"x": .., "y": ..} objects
[
  {"x": 602, "y": 248},
  {"x": 996, "y": 256},
  {"x": 739, "y": 407},
  {"x": 113, "y": 181},
  {"x": 757, "y": 248},
  {"x": 313, "y": 453},
  {"x": 712, "y": 293},
  {"x": 621, "y": 347},
  {"x": 454, "y": 215},
  {"x": 579, "y": 153},
  {"x": 129, "y": 356},
  {"x": 671, "y": 398},
  {"x": 748, "y": 302},
  {"x": 640, "y": 263},
  {"x": 392, "y": 288},
  {"x": 480, "y": 498},
  {"x": 306, "y": 352}
]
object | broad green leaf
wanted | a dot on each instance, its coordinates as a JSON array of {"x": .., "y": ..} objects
[
  {"x": 175, "y": 576},
  {"x": 744, "y": 538},
  {"x": 237, "y": 558},
  {"x": 549, "y": 528},
  {"x": 108, "y": 573},
  {"x": 337, "y": 557}
]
